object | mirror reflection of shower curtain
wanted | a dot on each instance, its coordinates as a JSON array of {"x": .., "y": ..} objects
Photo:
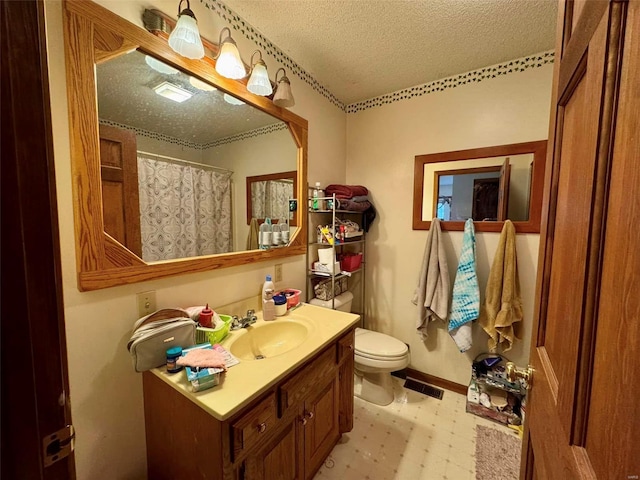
[
  {"x": 185, "y": 211},
  {"x": 271, "y": 199}
]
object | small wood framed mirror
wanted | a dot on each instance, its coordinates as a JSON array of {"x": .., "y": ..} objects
[{"x": 489, "y": 185}]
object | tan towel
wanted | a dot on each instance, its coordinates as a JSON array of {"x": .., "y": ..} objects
[
  {"x": 502, "y": 307},
  {"x": 252, "y": 238},
  {"x": 434, "y": 285}
]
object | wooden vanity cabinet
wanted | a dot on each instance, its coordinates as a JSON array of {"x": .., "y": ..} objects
[{"x": 285, "y": 434}]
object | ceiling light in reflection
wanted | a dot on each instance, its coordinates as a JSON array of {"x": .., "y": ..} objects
[
  {"x": 172, "y": 92},
  {"x": 232, "y": 100},
  {"x": 200, "y": 85}
]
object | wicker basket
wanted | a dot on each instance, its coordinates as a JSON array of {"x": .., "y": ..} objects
[{"x": 322, "y": 288}]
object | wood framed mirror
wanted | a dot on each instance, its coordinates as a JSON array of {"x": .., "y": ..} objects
[
  {"x": 489, "y": 185},
  {"x": 103, "y": 53},
  {"x": 269, "y": 195}
]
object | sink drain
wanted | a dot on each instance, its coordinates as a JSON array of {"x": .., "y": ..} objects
[{"x": 260, "y": 357}]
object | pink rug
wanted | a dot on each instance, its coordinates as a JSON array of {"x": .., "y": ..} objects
[{"x": 497, "y": 454}]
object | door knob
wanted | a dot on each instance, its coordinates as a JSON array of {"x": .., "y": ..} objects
[{"x": 514, "y": 372}]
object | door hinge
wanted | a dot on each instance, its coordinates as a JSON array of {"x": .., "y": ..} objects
[{"x": 58, "y": 445}]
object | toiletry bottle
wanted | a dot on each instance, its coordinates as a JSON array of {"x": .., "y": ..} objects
[
  {"x": 266, "y": 234},
  {"x": 268, "y": 305},
  {"x": 284, "y": 231},
  {"x": 205, "y": 317},
  {"x": 276, "y": 237},
  {"x": 316, "y": 194}
]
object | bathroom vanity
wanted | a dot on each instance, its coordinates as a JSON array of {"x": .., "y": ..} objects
[{"x": 277, "y": 417}]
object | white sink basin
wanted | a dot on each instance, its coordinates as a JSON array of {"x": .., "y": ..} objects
[{"x": 266, "y": 340}]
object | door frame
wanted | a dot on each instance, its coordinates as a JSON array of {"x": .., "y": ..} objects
[{"x": 35, "y": 396}]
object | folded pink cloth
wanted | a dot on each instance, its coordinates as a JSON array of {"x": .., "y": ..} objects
[
  {"x": 202, "y": 357},
  {"x": 346, "y": 191}
]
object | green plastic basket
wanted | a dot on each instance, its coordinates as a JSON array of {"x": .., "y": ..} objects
[{"x": 214, "y": 335}]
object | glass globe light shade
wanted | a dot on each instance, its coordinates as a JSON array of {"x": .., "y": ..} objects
[
  {"x": 185, "y": 37},
  {"x": 259, "y": 82},
  {"x": 228, "y": 63}
]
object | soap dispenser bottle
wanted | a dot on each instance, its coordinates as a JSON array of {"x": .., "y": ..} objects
[{"x": 268, "y": 305}]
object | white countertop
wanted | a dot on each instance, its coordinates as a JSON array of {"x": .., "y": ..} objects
[{"x": 246, "y": 381}]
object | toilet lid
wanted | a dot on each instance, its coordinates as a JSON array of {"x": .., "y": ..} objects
[{"x": 376, "y": 345}]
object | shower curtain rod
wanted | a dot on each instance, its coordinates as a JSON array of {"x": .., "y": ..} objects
[{"x": 186, "y": 161}]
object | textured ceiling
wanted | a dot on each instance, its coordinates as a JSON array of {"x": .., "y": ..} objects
[
  {"x": 125, "y": 96},
  {"x": 359, "y": 49}
]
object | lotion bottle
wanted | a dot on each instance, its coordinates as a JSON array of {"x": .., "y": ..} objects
[{"x": 268, "y": 305}]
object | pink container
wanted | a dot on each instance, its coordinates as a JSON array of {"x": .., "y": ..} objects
[{"x": 293, "y": 297}]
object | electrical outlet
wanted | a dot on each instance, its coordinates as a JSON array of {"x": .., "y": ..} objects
[
  {"x": 146, "y": 303},
  {"x": 278, "y": 272}
]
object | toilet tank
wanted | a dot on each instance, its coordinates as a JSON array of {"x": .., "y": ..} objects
[{"x": 341, "y": 302}]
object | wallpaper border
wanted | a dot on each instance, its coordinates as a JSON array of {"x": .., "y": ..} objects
[
  {"x": 474, "y": 76},
  {"x": 275, "y": 127}
]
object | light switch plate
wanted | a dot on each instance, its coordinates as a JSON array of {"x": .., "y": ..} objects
[
  {"x": 146, "y": 303},
  {"x": 277, "y": 274}
]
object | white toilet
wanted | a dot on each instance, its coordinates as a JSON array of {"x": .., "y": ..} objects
[{"x": 376, "y": 356}]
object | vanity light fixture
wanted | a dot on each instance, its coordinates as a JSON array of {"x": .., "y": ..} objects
[
  {"x": 232, "y": 100},
  {"x": 283, "y": 96},
  {"x": 172, "y": 92},
  {"x": 185, "y": 37},
  {"x": 159, "y": 66},
  {"x": 228, "y": 62},
  {"x": 200, "y": 85},
  {"x": 259, "y": 82}
]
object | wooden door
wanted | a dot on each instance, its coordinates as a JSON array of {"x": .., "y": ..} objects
[
  {"x": 120, "y": 194},
  {"x": 583, "y": 407},
  {"x": 35, "y": 384},
  {"x": 503, "y": 190},
  {"x": 321, "y": 431}
]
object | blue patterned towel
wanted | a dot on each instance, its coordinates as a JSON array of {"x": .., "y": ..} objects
[{"x": 465, "y": 306}]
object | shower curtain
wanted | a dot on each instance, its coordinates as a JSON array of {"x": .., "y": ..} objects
[
  {"x": 185, "y": 211},
  {"x": 271, "y": 199}
]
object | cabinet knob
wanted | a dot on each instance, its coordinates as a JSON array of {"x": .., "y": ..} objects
[
  {"x": 262, "y": 427},
  {"x": 350, "y": 347},
  {"x": 310, "y": 415},
  {"x": 303, "y": 421}
]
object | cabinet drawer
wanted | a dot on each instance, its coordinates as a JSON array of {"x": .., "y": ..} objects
[
  {"x": 254, "y": 425},
  {"x": 346, "y": 346},
  {"x": 294, "y": 390}
]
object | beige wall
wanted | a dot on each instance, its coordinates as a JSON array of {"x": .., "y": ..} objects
[
  {"x": 381, "y": 145},
  {"x": 105, "y": 393}
]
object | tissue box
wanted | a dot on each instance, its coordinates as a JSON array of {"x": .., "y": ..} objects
[
  {"x": 202, "y": 378},
  {"x": 321, "y": 268}
]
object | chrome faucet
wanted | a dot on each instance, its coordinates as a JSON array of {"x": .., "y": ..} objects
[{"x": 244, "y": 322}]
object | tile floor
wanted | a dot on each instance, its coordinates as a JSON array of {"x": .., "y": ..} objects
[{"x": 416, "y": 437}]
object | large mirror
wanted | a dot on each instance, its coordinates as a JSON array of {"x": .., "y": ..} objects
[
  {"x": 161, "y": 149},
  {"x": 488, "y": 185}
]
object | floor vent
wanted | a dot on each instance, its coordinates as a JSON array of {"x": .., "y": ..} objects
[{"x": 423, "y": 388}]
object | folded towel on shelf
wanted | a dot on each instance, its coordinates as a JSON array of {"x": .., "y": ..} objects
[
  {"x": 348, "y": 204},
  {"x": 433, "y": 290},
  {"x": 502, "y": 307},
  {"x": 360, "y": 198},
  {"x": 346, "y": 191},
  {"x": 465, "y": 303}
]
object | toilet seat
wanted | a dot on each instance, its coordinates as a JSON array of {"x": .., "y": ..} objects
[{"x": 378, "y": 346}]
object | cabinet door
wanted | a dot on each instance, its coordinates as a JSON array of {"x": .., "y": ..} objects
[
  {"x": 279, "y": 459},
  {"x": 321, "y": 430}
]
